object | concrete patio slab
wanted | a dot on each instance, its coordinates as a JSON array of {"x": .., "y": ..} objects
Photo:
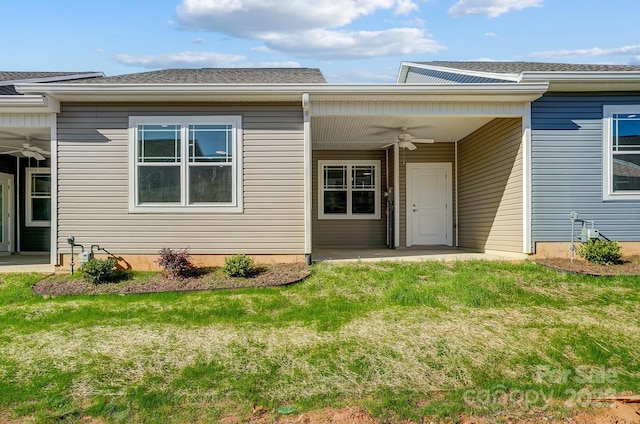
[
  {"x": 410, "y": 255},
  {"x": 26, "y": 262}
]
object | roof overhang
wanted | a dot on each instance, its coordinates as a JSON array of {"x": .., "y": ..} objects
[
  {"x": 33, "y": 103},
  {"x": 585, "y": 81},
  {"x": 78, "y": 92}
]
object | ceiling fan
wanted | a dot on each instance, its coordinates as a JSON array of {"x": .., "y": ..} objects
[
  {"x": 28, "y": 150},
  {"x": 406, "y": 140}
]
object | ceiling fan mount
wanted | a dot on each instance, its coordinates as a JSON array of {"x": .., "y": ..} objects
[{"x": 407, "y": 141}]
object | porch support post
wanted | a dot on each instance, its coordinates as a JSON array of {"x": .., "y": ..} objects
[
  {"x": 526, "y": 180},
  {"x": 308, "y": 166},
  {"x": 396, "y": 195},
  {"x": 54, "y": 188}
]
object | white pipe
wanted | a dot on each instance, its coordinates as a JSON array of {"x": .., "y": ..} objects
[{"x": 17, "y": 197}]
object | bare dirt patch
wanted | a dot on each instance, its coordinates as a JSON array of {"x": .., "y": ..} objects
[
  {"x": 629, "y": 266},
  {"x": 272, "y": 275}
]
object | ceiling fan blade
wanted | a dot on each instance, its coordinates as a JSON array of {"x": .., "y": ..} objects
[
  {"x": 406, "y": 145},
  {"x": 411, "y": 146},
  {"x": 423, "y": 140},
  {"x": 28, "y": 153},
  {"x": 38, "y": 156}
]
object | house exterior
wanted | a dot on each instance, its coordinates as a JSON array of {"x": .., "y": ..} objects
[{"x": 277, "y": 163}]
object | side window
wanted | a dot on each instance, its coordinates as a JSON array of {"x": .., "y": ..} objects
[
  {"x": 622, "y": 152},
  {"x": 349, "y": 190},
  {"x": 38, "y": 197}
]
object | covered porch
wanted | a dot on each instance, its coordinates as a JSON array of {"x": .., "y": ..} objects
[{"x": 445, "y": 179}]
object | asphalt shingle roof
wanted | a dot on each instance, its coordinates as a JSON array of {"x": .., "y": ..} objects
[
  {"x": 17, "y": 76},
  {"x": 219, "y": 76},
  {"x": 518, "y": 67}
]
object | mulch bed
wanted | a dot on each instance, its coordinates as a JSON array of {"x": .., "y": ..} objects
[
  {"x": 205, "y": 279},
  {"x": 629, "y": 266}
]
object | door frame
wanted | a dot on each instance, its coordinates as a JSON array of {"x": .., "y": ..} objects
[
  {"x": 448, "y": 167},
  {"x": 8, "y": 210}
]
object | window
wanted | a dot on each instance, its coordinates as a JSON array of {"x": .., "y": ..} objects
[
  {"x": 622, "y": 152},
  {"x": 349, "y": 190},
  {"x": 38, "y": 197},
  {"x": 186, "y": 164}
]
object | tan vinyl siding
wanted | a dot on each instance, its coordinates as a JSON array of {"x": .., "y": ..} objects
[
  {"x": 349, "y": 232},
  {"x": 490, "y": 187},
  {"x": 93, "y": 160},
  {"x": 425, "y": 153}
]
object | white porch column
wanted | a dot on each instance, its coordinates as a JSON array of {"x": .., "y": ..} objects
[
  {"x": 54, "y": 188},
  {"x": 308, "y": 166},
  {"x": 526, "y": 180}
]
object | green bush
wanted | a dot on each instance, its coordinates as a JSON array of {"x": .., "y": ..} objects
[
  {"x": 600, "y": 251},
  {"x": 175, "y": 263},
  {"x": 239, "y": 266},
  {"x": 98, "y": 271}
]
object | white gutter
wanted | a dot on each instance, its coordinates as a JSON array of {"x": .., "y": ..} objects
[
  {"x": 54, "y": 189},
  {"x": 580, "y": 76},
  {"x": 88, "y": 89},
  {"x": 29, "y": 103}
]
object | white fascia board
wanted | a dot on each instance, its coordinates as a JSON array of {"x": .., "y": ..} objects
[
  {"x": 28, "y": 103},
  {"x": 586, "y": 81},
  {"x": 262, "y": 92},
  {"x": 404, "y": 68}
]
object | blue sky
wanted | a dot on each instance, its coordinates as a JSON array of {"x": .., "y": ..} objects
[{"x": 349, "y": 40}]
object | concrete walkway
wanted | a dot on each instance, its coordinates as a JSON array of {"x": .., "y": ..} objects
[
  {"x": 26, "y": 262},
  {"x": 410, "y": 254}
]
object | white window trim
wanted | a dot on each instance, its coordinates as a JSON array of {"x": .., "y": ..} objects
[
  {"x": 29, "y": 222},
  {"x": 607, "y": 153},
  {"x": 349, "y": 163},
  {"x": 236, "y": 205}
]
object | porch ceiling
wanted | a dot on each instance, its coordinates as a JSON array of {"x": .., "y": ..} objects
[
  {"x": 13, "y": 138},
  {"x": 374, "y": 131}
]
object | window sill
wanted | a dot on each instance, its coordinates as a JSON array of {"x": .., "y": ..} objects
[
  {"x": 349, "y": 217},
  {"x": 186, "y": 209}
]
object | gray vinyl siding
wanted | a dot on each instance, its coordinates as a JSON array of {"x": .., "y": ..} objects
[
  {"x": 430, "y": 76},
  {"x": 93, "y": 178},
  {"x": 490, "y": 187},
  {"x": 349, "y": 232},
  {"x": 425, "y": 153},
  {"x": 567, "y": 171}
]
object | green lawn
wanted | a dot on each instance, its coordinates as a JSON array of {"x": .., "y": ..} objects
[{"x": 404, "y": 341}]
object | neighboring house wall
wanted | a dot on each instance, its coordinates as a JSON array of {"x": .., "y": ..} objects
[
  {"x": 490, "y": 187},
  {"x": 349, "y": 232},
  {"x": 430, "y": 76},
  {"x": 93, "y": 191},
  {"x": 425, "y": 153},
  {"x": 567, "y": 171}
]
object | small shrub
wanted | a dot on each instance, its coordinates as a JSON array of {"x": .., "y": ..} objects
[
  {"x": 175, "y": 263},
  {"x": 600, "y": 251},
  {"x": 98, "y": 271},
  {"x": 239, "y": 266}
]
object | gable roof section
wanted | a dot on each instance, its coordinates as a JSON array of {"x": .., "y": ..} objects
[
  {"x": 560, "y": 76},
  {"x": 8, "y": 79},
  {"x": 219, "y": 76}
]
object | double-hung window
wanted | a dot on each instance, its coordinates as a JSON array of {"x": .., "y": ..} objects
[
  {"x": 38, "y": 202},
  {"x": 621, "y": 152},
  {"x": 186, "y": 164},
  {"x": 348, "y": 189}
]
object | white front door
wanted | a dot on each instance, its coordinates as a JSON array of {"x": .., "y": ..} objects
[
  {"x": 6, "y": 213},
  {"x": 429, "y": 203}
]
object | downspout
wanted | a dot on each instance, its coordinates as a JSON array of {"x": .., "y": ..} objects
[
  {"x": 396, "y": 195},
  {"x": 54, "y": 188},
  {"x": 455, "y": 159},
  {"x": 307, "y": 177},
  {"x": 527, "y": 186}
]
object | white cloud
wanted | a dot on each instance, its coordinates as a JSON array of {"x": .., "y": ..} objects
[
  {"x": 183, "y": 59},
  {"x": 99, "y": 50},
  {"x": 490, "y": 8},
  {"x": 490, "y": 34},
  {"x": 256, "y": 18},
  {"x": 198, "y": 40},
  {"x": 309, "y": 28},
  {"x": 593, "y": 52},
  {"x": 325, "y": 44},
  {"x": 285, "y": 64}
]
